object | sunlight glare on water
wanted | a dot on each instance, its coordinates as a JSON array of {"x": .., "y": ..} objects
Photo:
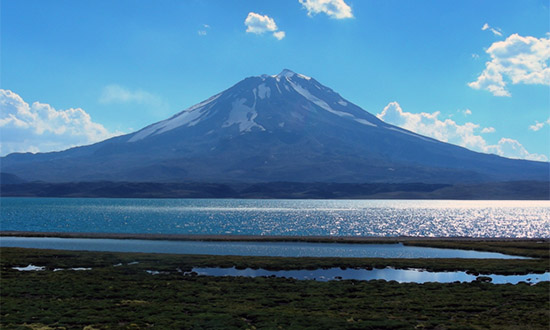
[{"x": 280, "y": 217}]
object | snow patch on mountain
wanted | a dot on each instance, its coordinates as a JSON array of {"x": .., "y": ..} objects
[
  {"x": 289, "y": 74},
  {"x": 284, "y": 74},
  {"x": 243, "y": 115},
  {"x": 411, "y": 134},
  {"x": 277, "y": 85},
  {"x": 263, "y": 91},
  {"x": 364, "y": 122},
  {"x": 205, "y": 102},
  {"x": 189, "y": 117},
  {"x": 310, "y": 97},
  {"x": 322, "y": 104}
]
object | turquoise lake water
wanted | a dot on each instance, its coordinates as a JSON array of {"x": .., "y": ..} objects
[{"x": 279, "y": 217}]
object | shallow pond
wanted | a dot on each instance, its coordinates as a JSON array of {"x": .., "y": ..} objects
[
  {"x": 275, "y": 249},
  {"x": 388, "y": 274}
]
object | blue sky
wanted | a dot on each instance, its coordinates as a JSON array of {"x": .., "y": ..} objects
[{"x": 474, "y": 73}]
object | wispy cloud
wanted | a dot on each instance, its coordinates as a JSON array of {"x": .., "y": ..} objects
[
  {"x": 260, "y": 24},
  {"x": 40, "y": 127},
  {"x": 448, "y": 130},
  {"x": 496, "y": 31},
  {"x": 114, "y": 93},
  {"x": 333, "y": 8},
  {"x": 516, "y": 60},
  {"x": 204, "y": 30},
  {"x": 537, "y": 126}
]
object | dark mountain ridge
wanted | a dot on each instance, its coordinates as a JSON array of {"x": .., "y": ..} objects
[
  {"x": 286, "y": 127},
  {"x": 517, "y": 190}
]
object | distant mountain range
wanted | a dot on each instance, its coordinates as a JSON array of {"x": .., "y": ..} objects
[{"x": 287, "y": 127}]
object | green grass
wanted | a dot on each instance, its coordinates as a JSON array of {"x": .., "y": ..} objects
[
  {"x": 65, "y": 259},
  {"x": 126, "y": 297}
]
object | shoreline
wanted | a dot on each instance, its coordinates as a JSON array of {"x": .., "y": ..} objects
[{"x": 260, "y": 238}]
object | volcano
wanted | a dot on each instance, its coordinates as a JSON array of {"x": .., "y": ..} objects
[{"x": 286, "y": 127}]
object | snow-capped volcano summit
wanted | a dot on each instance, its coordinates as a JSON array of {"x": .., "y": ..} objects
[
  {"x": 284, "y": 127},
  {"x": 246, "y": 106}
]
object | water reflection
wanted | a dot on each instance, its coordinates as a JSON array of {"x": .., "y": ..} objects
[
  {"x": 388, "y": 274},
  {"x": 279, "y": 217}
]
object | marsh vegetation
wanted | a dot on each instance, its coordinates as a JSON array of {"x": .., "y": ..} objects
[{"x": 118, "y": 293}]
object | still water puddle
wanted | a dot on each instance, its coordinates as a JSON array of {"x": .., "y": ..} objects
[
  {"x": 30, "y": 268},
  {"x": 388, "y": 274},
  {"x": 273, "y": 249},
  {"x": 337, "y": 274}
]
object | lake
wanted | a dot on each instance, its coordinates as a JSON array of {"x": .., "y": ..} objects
[{"x": 421, "y": 218}]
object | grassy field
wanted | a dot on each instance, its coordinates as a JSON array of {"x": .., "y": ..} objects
[{"x": 127, "y": 297}]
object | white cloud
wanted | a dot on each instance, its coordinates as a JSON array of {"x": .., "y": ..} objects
[
  {"x": 496, "y": 31},
  {"x": 467, "y": 112},
  {"x": 486, "y": 130},
  {"x": 334, "y": 8},
  {"x": 537, "y": 125},
  {"x": 447, "y": 130},
  {"x": 260, "y": 24},
  {"x": 40, "y": 127},
  {"x": 519, "y": 60},
  {"x": 513, "y": 149},
  {"x": 430, "y": 125},
  {"x": 279, "y": 34}
]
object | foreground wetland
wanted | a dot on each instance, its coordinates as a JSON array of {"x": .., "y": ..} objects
[{"x": 112, "y": 290}]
